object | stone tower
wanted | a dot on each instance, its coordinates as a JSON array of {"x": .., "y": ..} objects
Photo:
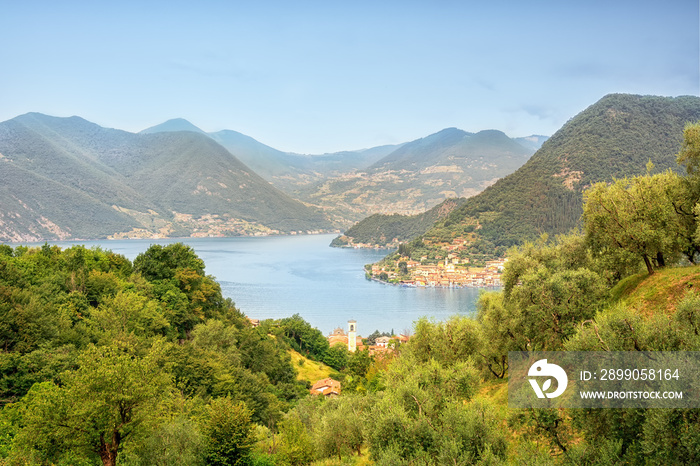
[{"x": 352, "y": 336}]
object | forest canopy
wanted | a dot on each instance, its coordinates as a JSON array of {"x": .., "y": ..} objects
[{"x": 105, "y": 361}]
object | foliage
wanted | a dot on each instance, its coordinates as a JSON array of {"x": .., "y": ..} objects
[
  {"x": 383, "y": 230},
  {"x": 228, "y": 430},
  {"x": 613, "y": 138},
  {"x": 637, "y": 215},
  {"x": 123, "y": 182},
  {"x": 549, "y": 288},
  {"x": 97, "y": 357},
  {"x": 296, "y": 447},
  {"x": 97, "y": 408},
  {"x": 422, "y": 417}
]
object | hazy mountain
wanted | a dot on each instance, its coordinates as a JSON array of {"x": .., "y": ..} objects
[
  {"x": 288, "y": 171},
  {"x": 533, "y": 142},
  {"x": 423, "y": 173},
  {"x": 176, "y": 124},
  {"x": 383, "y": 230},
  {"x": 69, "y": 178},
  {"x": 613, "y": 138}
]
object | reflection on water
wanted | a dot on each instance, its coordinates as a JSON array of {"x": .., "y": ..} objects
[{"x": 285, "y": 275}]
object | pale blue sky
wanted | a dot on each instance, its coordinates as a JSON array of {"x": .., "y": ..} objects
[{"x": 315, "y": 77}]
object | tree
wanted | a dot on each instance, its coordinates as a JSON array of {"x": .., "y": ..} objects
[
  {"x": 636, "y": 214},
  {"x": 689, "y": 154},
  {"x": 229, "y": 431},
  {"x": 162, "y": 262},
  {"x": 426, "y": 417},
  {"x": 296, "y": 447},
  {"x": 549, "y": 287},
  {"x": 98, "y": 407}
]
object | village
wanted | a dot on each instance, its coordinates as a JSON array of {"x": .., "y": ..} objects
[
  {"x": 452, "y": 272},
  {"x": 331, "y": 388}
]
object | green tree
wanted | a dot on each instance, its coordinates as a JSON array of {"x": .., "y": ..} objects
[
  {"x": 498, "y": 327},
  {"x": 549, "y": 287},
  {"x": 636, "y": 214},
  {"x": 229, "y": 433},
  {"x": 98, "y": 407},
  {"x": 162, "y": 262},
  {"x": 426, "y": 416},
  {"x": 296, "y": 447},
  {"x": 689, "y": 154}
]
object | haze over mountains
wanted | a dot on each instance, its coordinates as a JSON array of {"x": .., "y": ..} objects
[
  {"x": 423, "y": 173},
  {"x": 613, "y": 138},
  {"x": 404, "y": 178},
  {"x": 68, "y": 178},
  {"x": 286, "y": 170}
]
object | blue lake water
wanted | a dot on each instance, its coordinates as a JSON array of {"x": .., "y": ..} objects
[{"x": 275, "y": 277}]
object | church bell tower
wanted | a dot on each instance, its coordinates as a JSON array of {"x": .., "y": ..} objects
[{"x": 352, "y": 336}]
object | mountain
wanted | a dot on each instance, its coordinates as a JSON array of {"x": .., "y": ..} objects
[
  {"x": 533, "y": 142},
  {"x": 288, "y": 171},
  {"x": 176, "y": 124},
  {"x": 383, "y": 231},
  {"x": 421, "y": 174},
  {"x": 612, "y": 138},
  {"x": 70, "y": 178}
]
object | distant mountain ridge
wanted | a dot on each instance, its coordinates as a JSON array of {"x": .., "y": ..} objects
[
  {"x": 174, "y": 179},
  {"x": 423, "y": 173},
  {"x": 70, "y": 178},
  {"x": 388, "y": 231},
  {"x": 286, "y": 170},
  {"x": 613, "y": 138}
]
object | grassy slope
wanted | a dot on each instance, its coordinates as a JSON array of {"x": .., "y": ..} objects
[
  {"x": 657, "y": 293},
  {"x": 308, "y": 370}
]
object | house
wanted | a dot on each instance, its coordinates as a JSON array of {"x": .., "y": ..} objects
[
  {"x": 382, "y": 341},
  {"x": 326, "y": 387}
]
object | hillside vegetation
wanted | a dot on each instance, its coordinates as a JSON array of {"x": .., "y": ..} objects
[
  {"x": 108, "y": 361},
  {"x": 383, "y": 231},
  {"x": 69, "y": 178},
  {"x": 421, "y": 174},
  {"x": 613, "y": 138}
]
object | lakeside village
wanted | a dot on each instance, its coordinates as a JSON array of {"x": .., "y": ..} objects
[
  {"x": 453, "y": 272},
  {"x": 331, "y": 388},
  {"x": 377, "y": 347}
]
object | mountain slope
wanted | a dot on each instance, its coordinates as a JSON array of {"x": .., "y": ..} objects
[
  {"x": 382, "y": 231},
  {"x": 67, "y": 177},
  {"x": 422, "y": 173},
  {"x": 613, "y": 138},
  {"x": 288, "y": 171},
  {"x": 176, "y": 124}
]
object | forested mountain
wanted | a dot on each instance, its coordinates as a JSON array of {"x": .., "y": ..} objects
[
  {"x": 422, "y": 173},
  {"x": 382, "y": 230},
  {"x": 613, "y": 138},
  {"x": 69, "y": 178},
  {"x": 286, "y": 170},
  {"x": 113, "y": 362}
]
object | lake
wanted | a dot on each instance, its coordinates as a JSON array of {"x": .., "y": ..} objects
[{"x": 278, "y": 276}]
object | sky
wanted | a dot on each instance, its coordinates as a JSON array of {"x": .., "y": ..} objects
[{"x": 325, "y": 76}]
